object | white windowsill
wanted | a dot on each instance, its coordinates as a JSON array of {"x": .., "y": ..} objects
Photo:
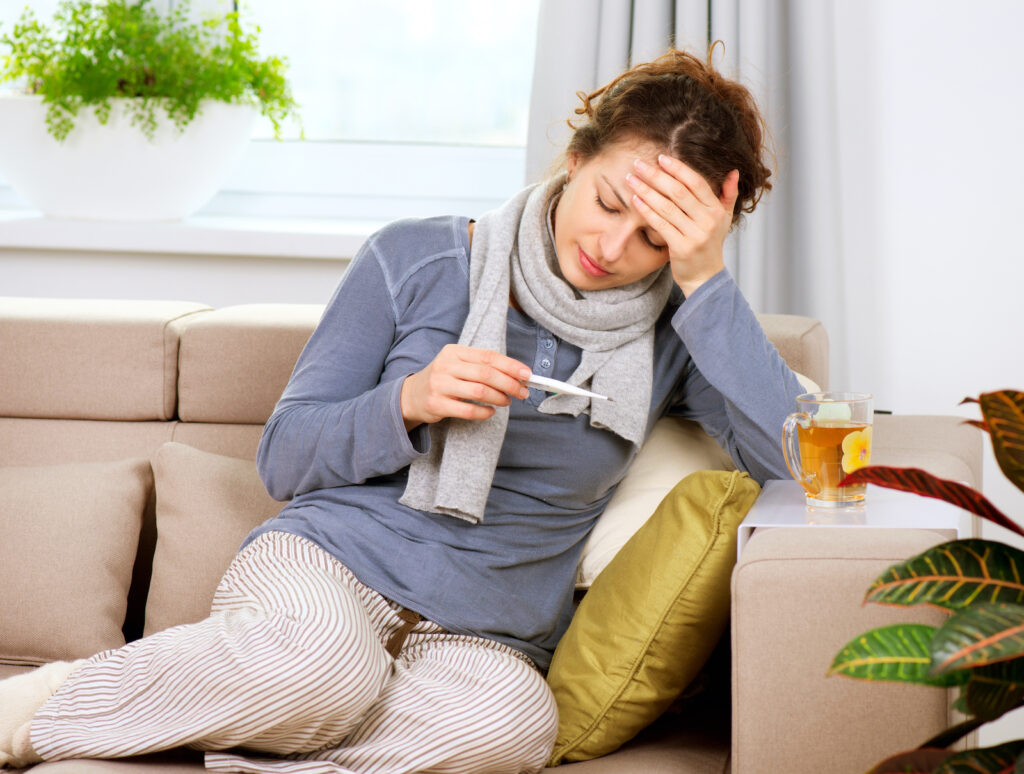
[
  {"x": 226, "y": 235},
  {"x": 301, "y": 200}
]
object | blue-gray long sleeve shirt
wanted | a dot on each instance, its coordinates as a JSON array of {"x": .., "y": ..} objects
[{"x": 337, "y": 447}]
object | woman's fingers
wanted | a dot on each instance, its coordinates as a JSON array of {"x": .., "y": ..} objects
[
  {"x": 462, "y": 382},
  {"x": 669, "y": 214},
  {"x": 685, "y": 174},
  {"x": 684, "y": 200},
  {"x": 681, "y": 206},
  {"x": 484, "y": 368}
]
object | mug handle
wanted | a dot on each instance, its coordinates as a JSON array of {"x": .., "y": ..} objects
[{"x": 791, "y": 451}]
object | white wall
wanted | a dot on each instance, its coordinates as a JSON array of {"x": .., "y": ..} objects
[
  {"x": 215, "y": 280},
  {"x": 944, "y": 194},
  {"x": 933, "y": 126}
]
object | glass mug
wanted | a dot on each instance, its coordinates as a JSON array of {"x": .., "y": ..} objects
[{"x": 828, "y": 437}]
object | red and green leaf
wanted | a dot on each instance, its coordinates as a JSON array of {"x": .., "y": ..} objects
[
  {"x": 986, "y": 633},
  {"x": 923, "y": 483},
  {"x": 1004, "y": 415},
  {"x": 953, "y": 576},
  {"x": 1001, "y": 759},
  {"x": 954, "y": 734},
  {"x": 922, "y": 761},
  {"x": 898, "y": 653},
  {"x": 993, "y": 690}
]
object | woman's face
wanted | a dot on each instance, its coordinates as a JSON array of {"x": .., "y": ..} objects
[{"x": 601, "y": 240}]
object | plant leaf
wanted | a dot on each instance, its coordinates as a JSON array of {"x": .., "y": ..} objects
[
  {"x": 1004, "y": 415},
  {"x": 987, "y": 633},
  {"x": 954, "y": 575},
  {"x": 954, "y": 733},
  {"x": 897, "y": 653},
  {"x": 994, "y": 690},
  {"x": 1001, "y": 759},
  {"x": 923, "y": 483},
  {"x": 921, "y": 761},
  {"x": 976, "y": 423}
]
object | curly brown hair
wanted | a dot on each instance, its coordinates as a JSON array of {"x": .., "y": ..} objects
[{"x": 683, "y": 105}]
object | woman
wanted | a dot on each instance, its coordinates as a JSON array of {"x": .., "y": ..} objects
[{"x": 398, "y": 614}]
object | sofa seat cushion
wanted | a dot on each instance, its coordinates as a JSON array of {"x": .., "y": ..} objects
[
  {"x": 692, "y": 741},
  {"x": 70, "y": 537},
  {"x": 205, "y": 506}
]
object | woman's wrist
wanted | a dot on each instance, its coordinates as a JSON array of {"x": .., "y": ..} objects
[
  {"x": 405, "y": 404},
  {"x": 689, "y": 285}
]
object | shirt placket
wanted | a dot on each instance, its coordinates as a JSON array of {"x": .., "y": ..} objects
[{"x": 543, "y": 361}]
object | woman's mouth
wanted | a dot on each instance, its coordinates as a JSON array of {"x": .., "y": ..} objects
[{"x": 589, "y": 266}]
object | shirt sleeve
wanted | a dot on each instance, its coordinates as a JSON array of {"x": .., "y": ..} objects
[
  {"x": 337, "y": 423},
  {"x": 737, "y": 386}
]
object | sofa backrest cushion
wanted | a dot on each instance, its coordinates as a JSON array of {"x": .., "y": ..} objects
[
  {"x": 90, "y": 359},
  {"x": 236, "y": 361},
  {"x": 205, "y": 506},
  {"x": 70, "y": 535},
  {"x": 802, "y": 342}
]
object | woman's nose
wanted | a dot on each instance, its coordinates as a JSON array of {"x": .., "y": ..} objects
[{"x": 615, "y": 241}]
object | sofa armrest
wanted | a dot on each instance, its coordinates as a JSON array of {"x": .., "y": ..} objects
[
  {"x": 797, "y": 600},
  {"x": 945, "y": 446}
]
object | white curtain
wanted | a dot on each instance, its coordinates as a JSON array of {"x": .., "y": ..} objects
[
  {"x": 788, "y": 256},
  {"x": 582, "y": 44}
]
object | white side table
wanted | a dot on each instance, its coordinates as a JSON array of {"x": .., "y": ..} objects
[{"x": 782, "y": 504}]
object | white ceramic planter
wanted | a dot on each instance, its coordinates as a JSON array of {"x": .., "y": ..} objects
[{"x": 112, "y": 171}]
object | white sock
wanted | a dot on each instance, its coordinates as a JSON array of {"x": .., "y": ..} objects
[{"x": 21, "y": 697}]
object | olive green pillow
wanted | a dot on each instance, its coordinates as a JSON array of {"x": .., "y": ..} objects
[{"x": 651, "y": 618}]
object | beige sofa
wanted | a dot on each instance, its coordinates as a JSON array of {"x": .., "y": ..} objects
[{"x": 127, "y": 434}]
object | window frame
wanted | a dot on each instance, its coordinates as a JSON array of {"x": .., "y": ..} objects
[{"x": 374, "y": 180}]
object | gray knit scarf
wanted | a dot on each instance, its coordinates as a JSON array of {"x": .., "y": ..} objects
[{"x": 614, "y": 328}]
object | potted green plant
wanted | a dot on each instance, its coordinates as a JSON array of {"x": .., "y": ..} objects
[
  {"x": 124, "y": 112},
  {"x": 980, "y": 647}
]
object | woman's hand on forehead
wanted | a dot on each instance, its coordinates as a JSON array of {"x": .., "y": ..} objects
[{"x": 678, "y": 203}]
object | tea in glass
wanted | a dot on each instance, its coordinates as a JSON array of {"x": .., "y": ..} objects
[{"x": 829, "y": 437}]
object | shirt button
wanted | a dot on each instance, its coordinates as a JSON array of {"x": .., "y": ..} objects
[
  {"x": 548, "y": 343},
  {"x": 545, "y": 363}
]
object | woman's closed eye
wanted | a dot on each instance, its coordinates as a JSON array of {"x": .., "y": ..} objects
[{"x": 644, "y": 235}]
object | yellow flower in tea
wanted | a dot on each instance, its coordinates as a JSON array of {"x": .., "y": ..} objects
[{"x": 856, "y": 449}]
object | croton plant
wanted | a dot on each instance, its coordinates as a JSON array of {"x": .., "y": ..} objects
[{"x": 980, "y": 646}]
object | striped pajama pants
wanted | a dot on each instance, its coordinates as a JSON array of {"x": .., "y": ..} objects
[{"x": 290, "y": 674}]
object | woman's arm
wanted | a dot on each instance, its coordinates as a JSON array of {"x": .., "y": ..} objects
[
  {"x": 737, "y": 387},
  {"x": 382, "y": 365},
  {"x": 336, "y": 422}
]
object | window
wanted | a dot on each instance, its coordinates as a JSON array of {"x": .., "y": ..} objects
[
  {"x": 408, "y": 106},
  {"x": 440, "y": 71}
]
